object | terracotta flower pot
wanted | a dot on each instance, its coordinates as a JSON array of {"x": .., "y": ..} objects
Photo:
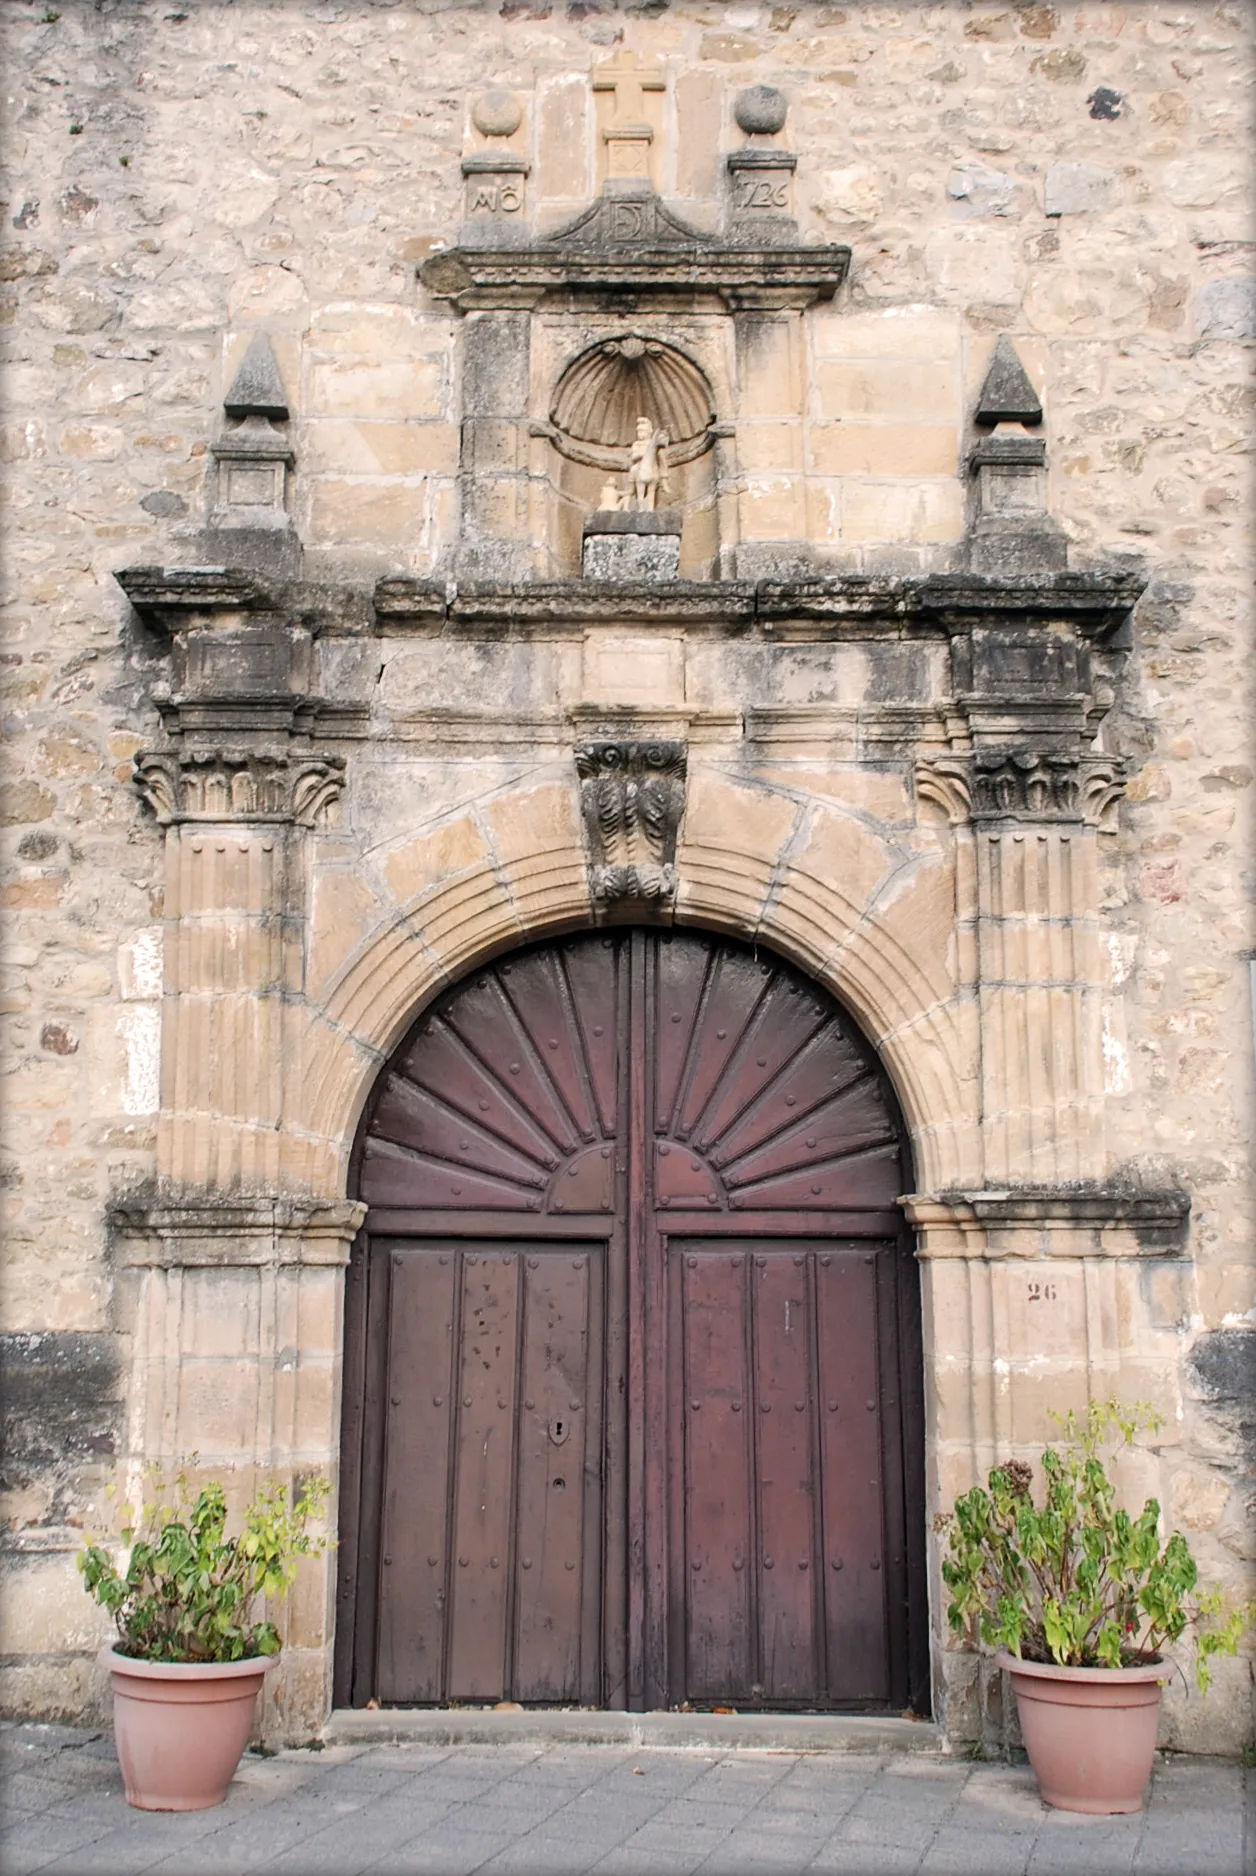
[
  {"x": 1090, "y": 1732},
  {"x": 180, "y": 1727}
]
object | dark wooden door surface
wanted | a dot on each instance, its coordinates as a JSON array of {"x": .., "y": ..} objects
[{"x": 632, "y": 1380}]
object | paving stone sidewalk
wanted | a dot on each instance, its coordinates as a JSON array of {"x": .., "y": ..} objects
[{"x": 566, "y": 1810}]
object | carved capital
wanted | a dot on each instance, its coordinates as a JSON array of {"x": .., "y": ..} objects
[
  {"x": 237, "y": 785},
  {"x": 944, "y": 781},
  {"x": 632, "y": 795},
  {"x": 1023, "y": 785},
  {"x": 1103, "y": 784}
]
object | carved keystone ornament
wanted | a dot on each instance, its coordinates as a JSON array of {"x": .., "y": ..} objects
[{"x": 631, "y": 796}]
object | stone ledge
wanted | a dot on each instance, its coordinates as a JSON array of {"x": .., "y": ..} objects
[
  {"x": 235, "y": 1232},
  {"x": 740, "y": 278},
  {"x": 634, "y": 521},
  {"x": 1083, "y": 1220},
  {"x": 705, "y": 1732},
  {"x": 950, "y": 603}
]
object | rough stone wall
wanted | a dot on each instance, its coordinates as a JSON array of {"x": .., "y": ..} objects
[{"x": 178, "y": 176}]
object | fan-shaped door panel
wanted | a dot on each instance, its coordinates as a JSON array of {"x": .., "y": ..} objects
[{"x": 672, "y": 1166}]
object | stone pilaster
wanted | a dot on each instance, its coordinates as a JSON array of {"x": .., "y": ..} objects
[
  {"x": 1029, "y": 822},
  {"x": 234, "y": 898},
  {"x": 237, "y": 785},
  {"x": 495, "y": 448},
  {"x": 233, "y": 1314},
  {"x": 1036, "y": 1298}
]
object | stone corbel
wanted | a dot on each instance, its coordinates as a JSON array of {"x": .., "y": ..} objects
[{"x": 632, "y": 796}]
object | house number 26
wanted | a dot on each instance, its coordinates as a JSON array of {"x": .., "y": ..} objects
[{"x": 1041, "y": 1292}]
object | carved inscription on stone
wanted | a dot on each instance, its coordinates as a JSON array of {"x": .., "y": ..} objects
[
  {"x": 631, "y": 796},
  {"x": 495, "y": 185},
  {"x": 769, "y": 193}
]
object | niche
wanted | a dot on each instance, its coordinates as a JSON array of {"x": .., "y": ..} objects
[{"x": 600, "y": 398}]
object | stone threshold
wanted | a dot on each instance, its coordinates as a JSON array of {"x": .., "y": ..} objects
[{"x": 555, "y": 1726}]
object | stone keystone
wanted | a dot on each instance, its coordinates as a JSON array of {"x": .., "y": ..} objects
[
  {"x": 1007, "y": 396},
  {"x": 257, "y": 389}
]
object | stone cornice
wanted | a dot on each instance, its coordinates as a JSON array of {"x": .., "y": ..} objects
[
  {"x": 1032, "y": 1221},
  {"x": 836, "y": 605},
  {"x": 740, "y": 279},
  {"x": 169, "y": 596},
  {"x": 840, "y": 604},
  {"x": 243, "y": 1231}
]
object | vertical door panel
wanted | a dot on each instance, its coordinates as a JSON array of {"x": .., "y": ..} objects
[
  {"x": 553, "y": 1428},
  {"x": 414, "y": 1557},
  {"x": 593, "y": 975},
  {"x": 484, "y": 1477},
  {"x": 850, "y": 1446},
  {"x": 784, "y": 1421},
  {"x": 718, "y": 1531}
]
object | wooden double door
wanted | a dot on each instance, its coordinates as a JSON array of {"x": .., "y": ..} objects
[{"x": 633, "y": 1379}]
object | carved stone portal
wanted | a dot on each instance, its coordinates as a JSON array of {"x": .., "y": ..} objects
[{"x": 632, "y": 795}]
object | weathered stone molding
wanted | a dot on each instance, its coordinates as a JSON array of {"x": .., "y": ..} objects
[
  {"x": 632, "y": 796},
  {"x": 1074, "y": 1220},
  {"x": 237, "y": 785},
  {"x": 231, "y": 1231},
  {"x": 1094, "y": 603},
  {"x": 632, "y": 244},
  {"x": 953, "y": 604}
]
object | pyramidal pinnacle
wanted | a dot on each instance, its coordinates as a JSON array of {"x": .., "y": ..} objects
[
  {"x": 257, "y": 389},
  {"x": 1007, "y": 396}
]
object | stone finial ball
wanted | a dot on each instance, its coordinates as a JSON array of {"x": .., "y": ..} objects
[
  {"x": 497, "y": 113},
  {"x": 761, "y": 108}
]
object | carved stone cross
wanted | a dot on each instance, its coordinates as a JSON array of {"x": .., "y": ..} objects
[{"x": 629, "y": 77}]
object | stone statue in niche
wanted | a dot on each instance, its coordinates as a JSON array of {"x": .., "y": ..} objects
[{"x": 647, "y": 467}]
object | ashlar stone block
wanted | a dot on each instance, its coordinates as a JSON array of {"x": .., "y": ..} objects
[
  {"x": 364, "y": 387},
  {"x": 896, "y": 390},
  {"x": 376, "y": 513},
  {"x": 350, "y": 447},
  {"x": 901, "y": 511},
  {"x": 885, "y": 449}
]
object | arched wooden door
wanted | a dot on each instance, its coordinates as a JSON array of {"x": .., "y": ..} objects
[{"x": 633, "y": 1376}]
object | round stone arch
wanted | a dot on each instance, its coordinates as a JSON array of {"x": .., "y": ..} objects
[{"x": 753, "y": 863}]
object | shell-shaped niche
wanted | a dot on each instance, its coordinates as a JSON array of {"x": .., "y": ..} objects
[{"x": 606, "y": 389}]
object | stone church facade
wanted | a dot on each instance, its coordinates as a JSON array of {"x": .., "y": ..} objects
[{"x": 628, "y": 784}]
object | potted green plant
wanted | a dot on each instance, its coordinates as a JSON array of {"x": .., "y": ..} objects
[
  {"x": 1079, "y": 1598},
  {"x": 190, "y": 1658}
]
